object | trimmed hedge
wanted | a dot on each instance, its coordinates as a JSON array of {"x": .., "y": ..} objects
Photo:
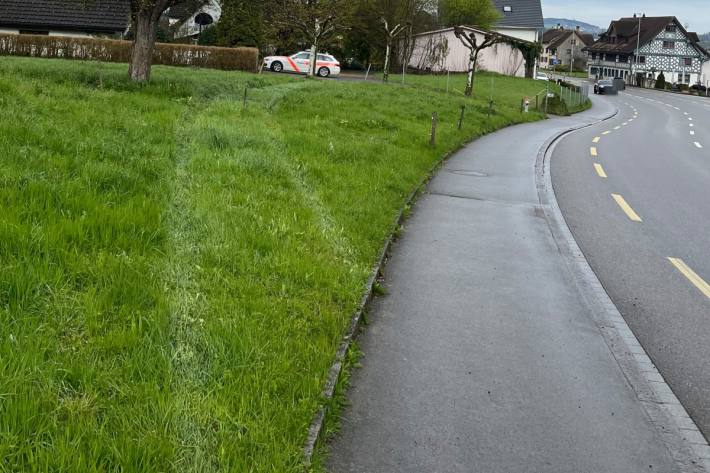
[{"x": 110, "y": 50}]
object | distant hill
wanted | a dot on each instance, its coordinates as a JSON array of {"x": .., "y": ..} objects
[
  {"x": 705, "y": 38},
  {"x": 572, "y": 24}
]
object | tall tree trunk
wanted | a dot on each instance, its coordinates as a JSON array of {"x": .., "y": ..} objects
[
  {"x": 142, "y": 51},
  {"x": 386, "y": 73},
  {"x": 314, "y": 59},
  {"x": 471, "y": 72}
]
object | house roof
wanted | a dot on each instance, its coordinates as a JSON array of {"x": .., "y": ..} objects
[
  {"x": 587, "y": 38},
  {"x": 554, "y": 37},
  {"x": 100, "y": 16},
  {"x": 181, "y": 11},
  {"x": 523, "y": 14},
  {"x": 474, "y": 29},
  {"x": 623, "y": 34}
]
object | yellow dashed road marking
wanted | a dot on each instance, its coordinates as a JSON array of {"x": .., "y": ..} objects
[
  {"x": 600, "y": 170},
  {"x": 626, "y": 208},
  {"x": 691, "y": 275},
  {"x": 593, "y": 151},
  {"x": 596, "y": 139}
]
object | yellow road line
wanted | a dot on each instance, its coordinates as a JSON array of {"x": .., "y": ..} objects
[
  {"x": 600, "y": 170},
  {"x": 692, "y": 276},
  {"x": 596, "y": 139},
  {"x": 626, "y": 208},
  {"x": 606, "y": 133},
  {"x": 593, "y": 151}
]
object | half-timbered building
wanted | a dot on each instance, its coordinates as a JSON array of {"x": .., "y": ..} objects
[{"x": 638, "y": 49}]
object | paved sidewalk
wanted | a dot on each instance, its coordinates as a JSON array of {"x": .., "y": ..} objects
[{"x": 484, "y": 357}]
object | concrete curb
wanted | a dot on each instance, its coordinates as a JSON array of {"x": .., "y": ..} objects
[{"x": 681, "y": 436}]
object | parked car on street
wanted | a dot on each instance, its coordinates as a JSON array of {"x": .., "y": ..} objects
[
  {"x": 299, "y": 63},
  {"x": 604, "y": 86},
  {"x": 541, "y": 76}
]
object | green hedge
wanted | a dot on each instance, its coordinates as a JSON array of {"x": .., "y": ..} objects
[{"x": 109, "y": 50}]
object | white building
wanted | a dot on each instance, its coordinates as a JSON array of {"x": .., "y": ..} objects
[
  {"x": 520, "y": 19},
  {"x": 182, "y": 17},
  {"x": 639, "y": 49},
  {"x": 441, "y": 50}
]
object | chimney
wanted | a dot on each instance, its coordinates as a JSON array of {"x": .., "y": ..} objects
[{"x": 634, "y": 15}]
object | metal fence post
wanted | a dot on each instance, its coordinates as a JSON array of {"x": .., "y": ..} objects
[{"x": 432, "y": 139}]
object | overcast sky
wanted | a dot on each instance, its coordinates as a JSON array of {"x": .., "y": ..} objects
[{"x": 694, "y": 13}]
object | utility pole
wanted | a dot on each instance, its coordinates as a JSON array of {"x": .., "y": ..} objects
[{"x": 638, "y": 46}]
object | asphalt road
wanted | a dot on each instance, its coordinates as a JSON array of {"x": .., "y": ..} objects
[{"x": 656, "y": 158}]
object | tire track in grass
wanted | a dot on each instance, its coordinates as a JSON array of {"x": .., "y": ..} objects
[{"x": 188, "y": 309}]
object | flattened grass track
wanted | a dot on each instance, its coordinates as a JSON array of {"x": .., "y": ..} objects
[{"x": 176, "y": 271}]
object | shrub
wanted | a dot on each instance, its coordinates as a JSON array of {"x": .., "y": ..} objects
[
  {"x": 660, "y": 81},
  {"x": 208, "y": 37},
  {"x": 109, "y": 50}
]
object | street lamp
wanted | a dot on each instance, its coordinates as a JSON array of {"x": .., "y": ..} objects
[{"x": 638, "y": 45}]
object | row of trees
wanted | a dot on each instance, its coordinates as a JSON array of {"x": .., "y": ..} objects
[{"x": 365, "y": 31}]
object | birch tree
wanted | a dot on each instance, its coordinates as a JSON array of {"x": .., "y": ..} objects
[
  {"x": 316, "y": 20},
  {"x": 392, "y": 33}
]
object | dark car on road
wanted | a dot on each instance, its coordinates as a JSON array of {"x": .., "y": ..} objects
[{"x": 604, "y": 87}]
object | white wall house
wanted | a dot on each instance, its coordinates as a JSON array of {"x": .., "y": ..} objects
[
  {"x": 183, "y": 19},
  {"x": 639, "y": 49},
  {"x": 520, "y": 19},
  {"x": 705, "y": 74},
  {"x": 441, "y": 50},
  {"x": 77, "y": 19}
]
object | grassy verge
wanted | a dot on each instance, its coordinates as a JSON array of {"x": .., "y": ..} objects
[{"x": 176, "y": 270}]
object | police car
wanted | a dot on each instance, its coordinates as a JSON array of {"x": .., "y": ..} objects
[{"x": 326, "y": 65}]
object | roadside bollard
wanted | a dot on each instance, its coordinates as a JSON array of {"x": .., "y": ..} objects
[{"x": 526, "y": 104}]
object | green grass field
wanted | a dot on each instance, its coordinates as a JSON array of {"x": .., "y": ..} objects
[{"x": 177, "y": 271}]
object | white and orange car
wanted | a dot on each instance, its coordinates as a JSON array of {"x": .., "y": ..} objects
[{"x": 326, "y": 65}]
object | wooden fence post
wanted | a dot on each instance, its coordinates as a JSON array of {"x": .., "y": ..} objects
[
  {"x": 432, "y": 139},
  {"x": 463, "y": 111}
]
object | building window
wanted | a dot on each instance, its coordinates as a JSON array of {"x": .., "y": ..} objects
[
  {"x": 508, "y": 9},
  {"x": 569, "y": 51},
  {"x": 669, "y": 45},
  {"x": 686, "y": 61},
  {"x": 687, "y": 78},
  {"x": 642, "y": 59},
  {"x": 670, "y": 28},
  {"x": 573, "y": 42},
  {"x": 617, "y": 58}
]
